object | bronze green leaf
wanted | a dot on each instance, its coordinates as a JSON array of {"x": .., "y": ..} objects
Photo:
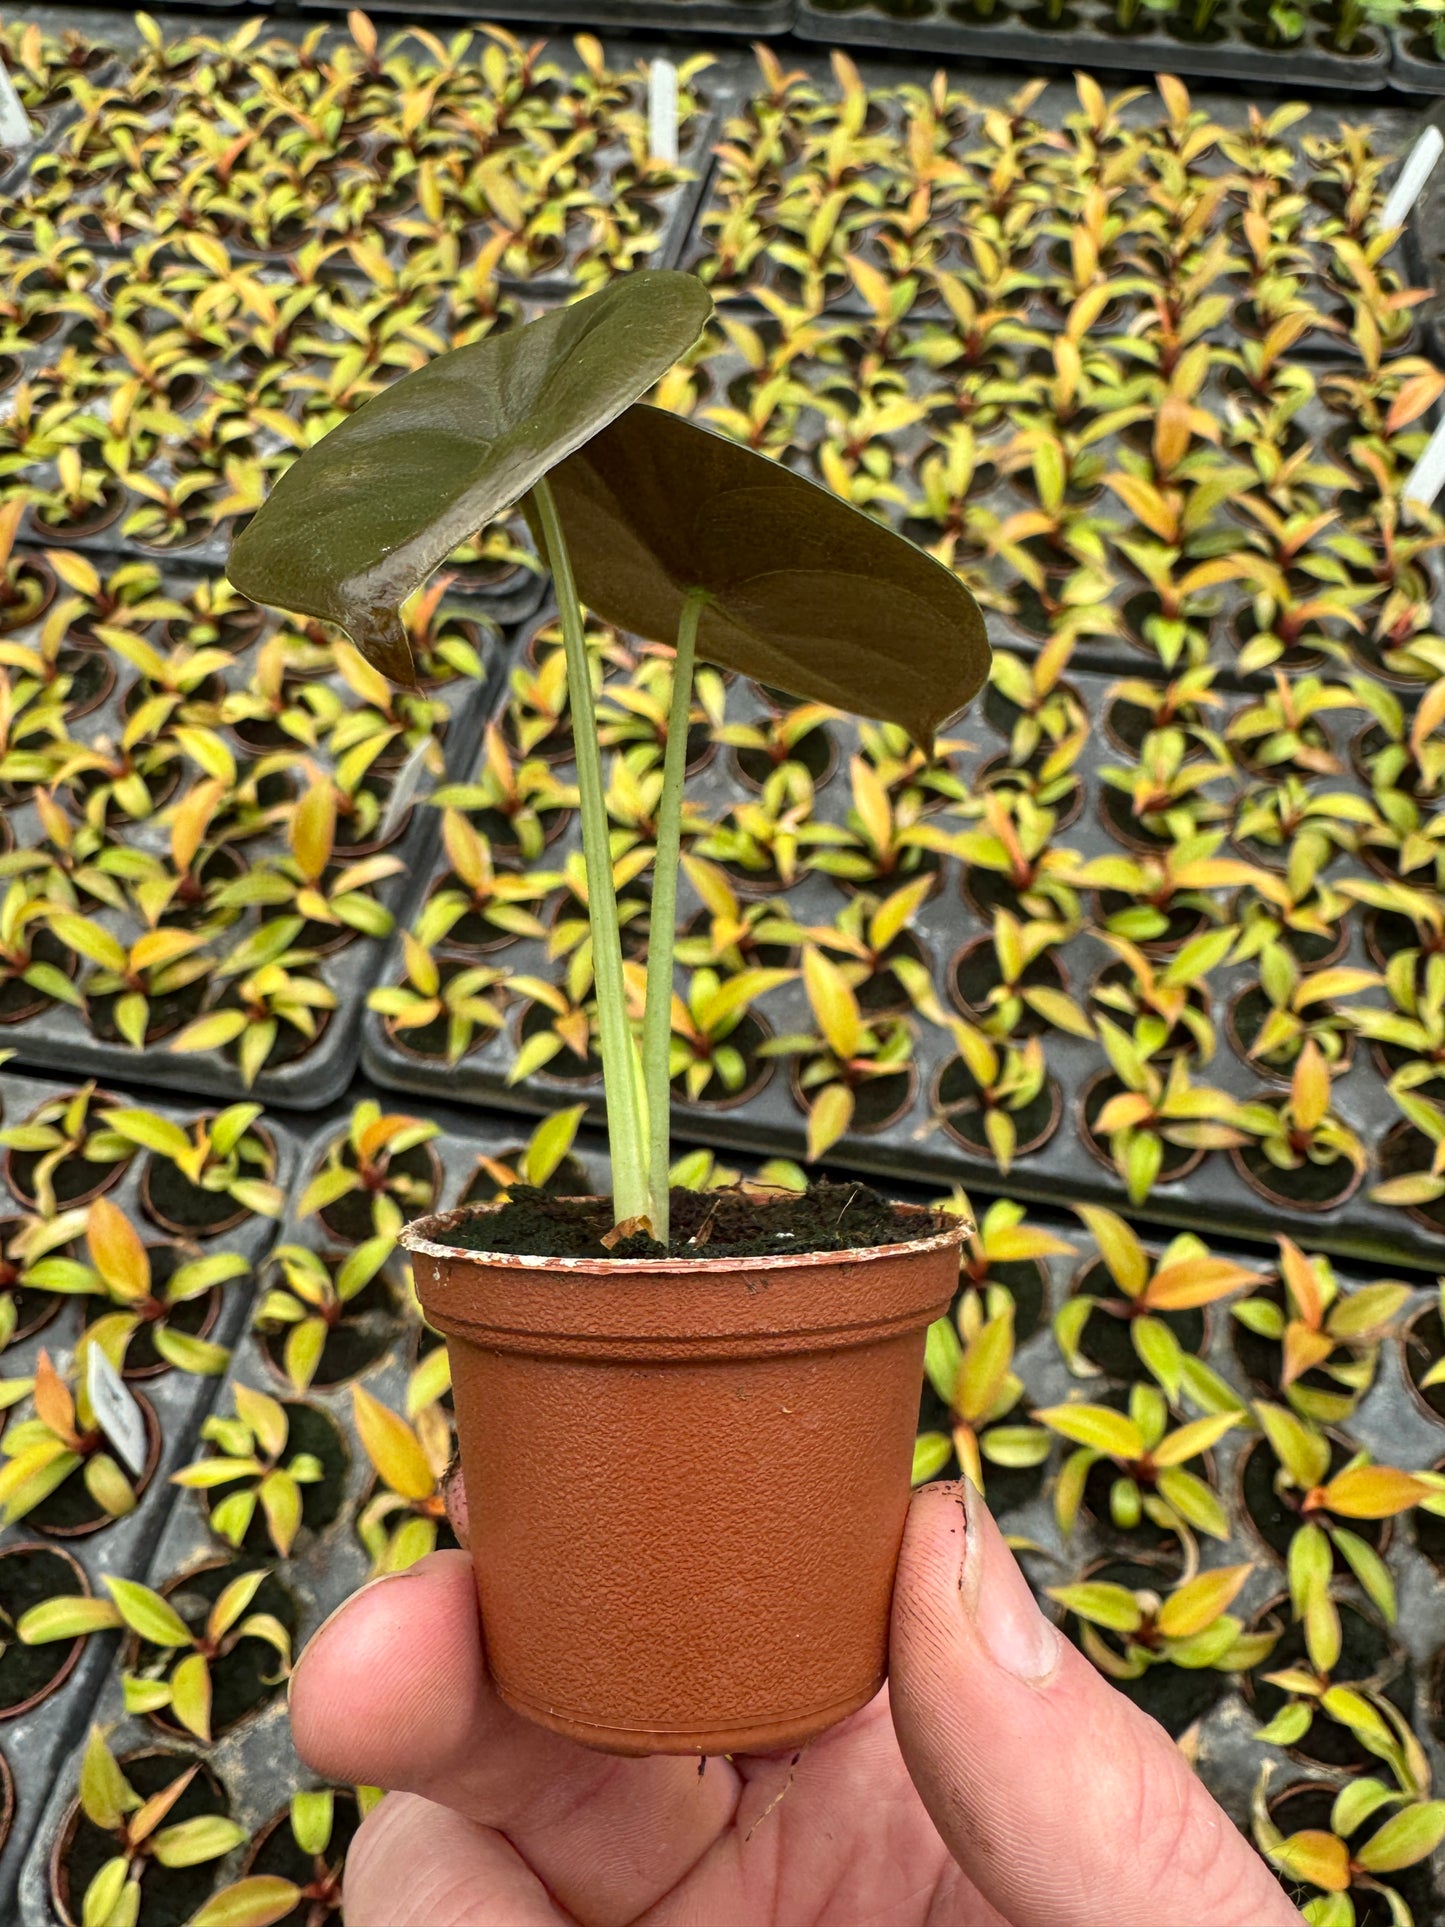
[
  {"x": 363, "y": 517},
  {"x": 806, "y": 592}
]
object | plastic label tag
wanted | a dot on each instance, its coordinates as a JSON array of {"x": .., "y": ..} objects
[
  {"x": 1424, "y": 481},
  {"x": 1418, "y": 168},
  {"x": 662, "y": 112},
  {"x": 403, "y": 793},
  {"x": 116, "y": 1412},
  {"x": 15, "y": 129}
]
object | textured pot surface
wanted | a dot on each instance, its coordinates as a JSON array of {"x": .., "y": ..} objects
[{"x": 686, "y": 1481}]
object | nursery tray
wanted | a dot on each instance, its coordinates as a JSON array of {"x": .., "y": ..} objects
[
  {"x": 1090, "y": 40},
  {"x": 914, "y": 1146},
  {"x": 1115, "y": 652},
  {"x": 256, "y": 1762},
  {"x": 676, "y": 205},
  {"x": 611, "y": 16},
  {"x": 58, "y": 1038},
  {"x": 35, "y": 1744},
  {"x": 1394, "y": 126}
]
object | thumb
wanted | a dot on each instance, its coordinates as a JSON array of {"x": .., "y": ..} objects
[{"x": 1063, "y": 1802}]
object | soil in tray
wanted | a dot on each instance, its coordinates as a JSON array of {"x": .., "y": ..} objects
[
  {"x": 1034, "y": 1124},
  {"x": 1262, "y": 1359},
  {"x": 69, "y": 1512},
  {"x": 1276, "y": 1516},
  {"x": 1405, "y": 1149},
  {"x": 1176, "y": 1696},
  {"x": 30, "y": 1574},
  {"x": 975, "y": 974},
  {"x": 174, "y": 1202},
  {"x": 829, "y": 1217},
  {"x": 169, "y": 1895},
  {"x": 33, "y": 1309},
  {"x": 1367, "y": 1656},
  {"x": 364, "y": 1328},
  {"x": 569, "y": 1180},
  {"x": 1107, "y": 1340},
  {"x": 1425, "y": 1346},
  {"x": 243, "y": 1679},
  {"x": 194, "y": 1317},
  {"x": 1026, "y": 1280},
  {"x": 350, "y": 1217},
  {"x": 1306, "y": 1808},
  {"x": 20, "y": 1001},
  {"x": 1008, "y": 1487},
  {"x": 1311, "y": 1187},
  {"x": 310, "y": 1430},
  {"x": 74, "y": 1180},
  {"x": 277, "y": 1854},
  {"x": 749, "y": 1036}
]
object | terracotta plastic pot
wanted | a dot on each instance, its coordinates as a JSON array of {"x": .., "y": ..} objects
[{"x": 686, "y": 1480}]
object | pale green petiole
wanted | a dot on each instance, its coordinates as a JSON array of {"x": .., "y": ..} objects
[
  {"x": 626, "y": 1120},
  {"x": 662, "y": 917}
]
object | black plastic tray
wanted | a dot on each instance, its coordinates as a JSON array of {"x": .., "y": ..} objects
[
  {"x": 36, "y": 1743},
  {"x": 1023, "y": 35},
  {"x": 915, "y": 1147},
  {"x": 58, "y": 1038}
]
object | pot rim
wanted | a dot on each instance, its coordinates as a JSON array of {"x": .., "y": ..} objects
[{"x": 416, "y": 1239}]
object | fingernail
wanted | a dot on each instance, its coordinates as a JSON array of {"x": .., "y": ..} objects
[
  {"x": 347, "y": 1603},
  {"x": 1014, "y": 1633}
]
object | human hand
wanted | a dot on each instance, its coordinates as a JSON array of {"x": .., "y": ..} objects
[{"x": 1011, "y": 1787}]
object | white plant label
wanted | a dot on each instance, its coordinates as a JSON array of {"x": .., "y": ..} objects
[
  {"x": 1426, "y": 477},
  {"x": 116, "y": 1412},
  {"x": 662, "y": 111},
  {"x": 403, "y": 795},
  {"x": 1413, "y": 175},
  {"x": 15, "y": 129}
]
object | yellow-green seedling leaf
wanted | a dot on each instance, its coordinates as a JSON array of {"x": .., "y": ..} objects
[
  {"x": 280, "y": 1498},
  {"x": 931, "y": 1452},
  {"x": 1372, "y": 1492},
  {"x": 369, "y": 511},
  {"x": 1113, "y": 1607},
  {"x": 146, "y": 1613},
  {"x": 117, "y": 1252},
  {"x": 1196, "y": 1281},
  {"x": 191, "y": 1696},
  {"x": 1200, "y": 1601},
  {"x": 106, "y": 1796},
  {"x": 312, "y": 1814},
  {"x": 66, "y": 1618},
  {"x": 1303, "y": 1452},
  {"x": 1098, "y": 1426},
  {"x": 264, "y": 1415},
  {"x": 258, "y": 1901},
  {"x": 392, "y": 1446},
  {"x": 191, "y": 1843},
  {"x": 1125, "y": 1258},
  {"x": 942, "y": 1356},
  {"x": 103, "y": 1895},
  {"x": 1189, "y": 1441},
  {"x": 232, "y": 1602},
  {"x": 1405, "y": 1839}
]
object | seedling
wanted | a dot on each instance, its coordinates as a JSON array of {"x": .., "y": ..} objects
[{"x": 665, "y": 531}]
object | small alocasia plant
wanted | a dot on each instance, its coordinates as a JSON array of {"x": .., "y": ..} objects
[{"x": 666, "y": 531}]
